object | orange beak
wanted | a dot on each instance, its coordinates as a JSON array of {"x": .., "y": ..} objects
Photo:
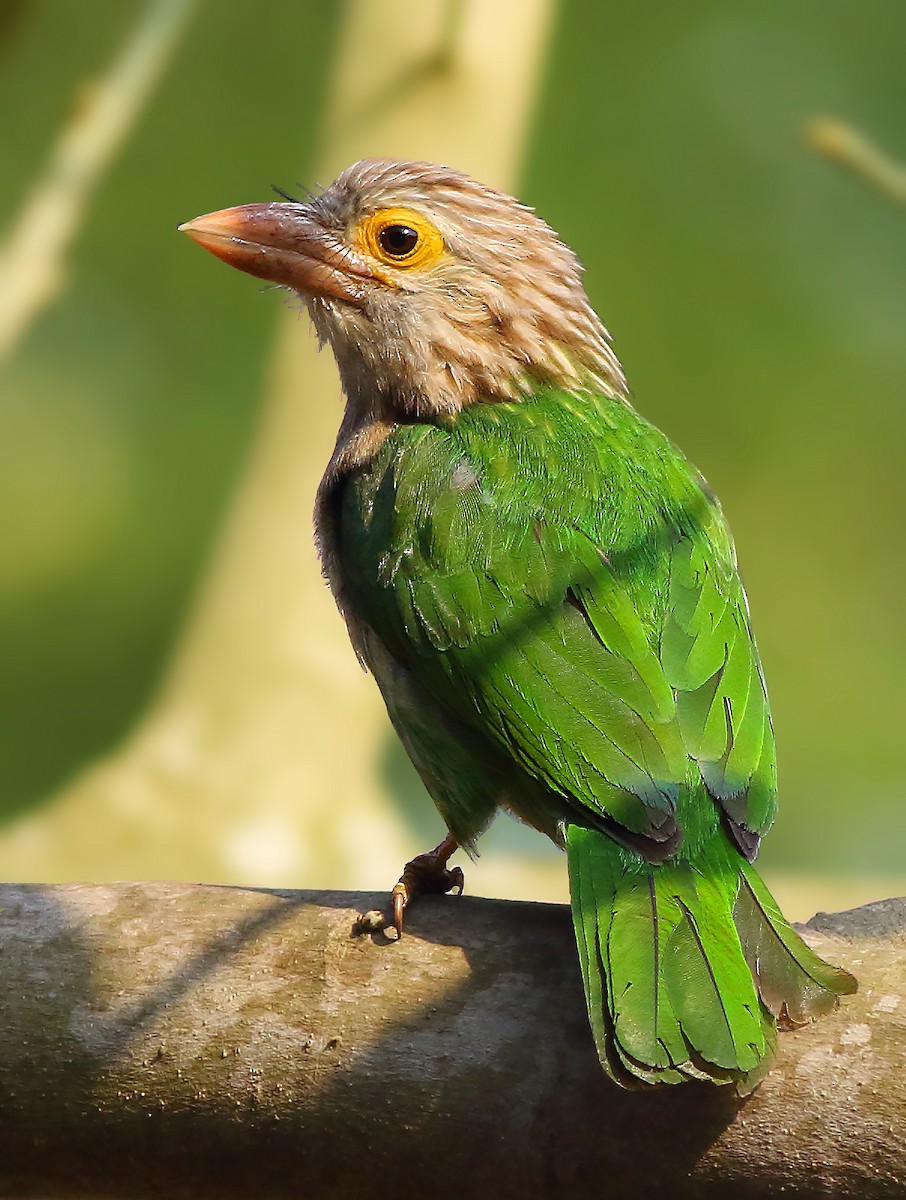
[{"x": 283, "y": 243}]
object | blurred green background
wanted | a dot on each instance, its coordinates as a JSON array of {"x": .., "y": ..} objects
[{"x": 756, "y": 298}]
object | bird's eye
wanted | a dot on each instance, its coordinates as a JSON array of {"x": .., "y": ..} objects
[{"x": 398, "y": 240}]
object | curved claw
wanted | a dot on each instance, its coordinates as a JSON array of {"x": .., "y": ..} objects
[
  {"x": 400, "y": 896},
  {"x": 426, "y": 873}
]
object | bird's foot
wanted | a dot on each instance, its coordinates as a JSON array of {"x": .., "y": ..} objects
[
  {"x": 428, "y": 873},
  {"x": 425, "y": 874}
]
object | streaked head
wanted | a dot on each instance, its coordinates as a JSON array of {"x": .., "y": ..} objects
[{"x": 433, "y": 291}]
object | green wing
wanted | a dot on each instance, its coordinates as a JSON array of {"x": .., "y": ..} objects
[
  {"x": 584, "y": 619},
  {"x": 710, "y": 660}
]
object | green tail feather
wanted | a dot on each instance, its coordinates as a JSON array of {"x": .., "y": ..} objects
[
  {"x": 793, "y": 982},
  {"x": 685, "y": 970}
]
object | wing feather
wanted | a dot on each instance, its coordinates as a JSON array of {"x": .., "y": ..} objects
[{"x": 614, "y": 670}]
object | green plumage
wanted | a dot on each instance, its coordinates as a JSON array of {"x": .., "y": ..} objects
[{"x": 547, "y": 594}]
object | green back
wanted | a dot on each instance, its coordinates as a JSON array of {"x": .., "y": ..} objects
[{"x": 557, "y": 578}]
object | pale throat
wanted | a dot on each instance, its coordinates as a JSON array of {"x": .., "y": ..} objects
[
  {"x": 445, "y": 375},
  {"x": 453, "y": 365}
]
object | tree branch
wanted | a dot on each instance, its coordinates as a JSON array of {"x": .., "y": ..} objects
[
  {"x": 164, "y": 1039},
  {"x": 32, "y": 259},
  {"x": 851, "y": 150}
]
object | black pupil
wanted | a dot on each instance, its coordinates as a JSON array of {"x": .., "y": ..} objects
[{"x": 398, "y": 240}]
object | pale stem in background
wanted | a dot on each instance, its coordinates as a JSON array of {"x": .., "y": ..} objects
[
  {"x": 850, "y": 149},
  {"x": 259, "y": 762},
  {"x": 33, "y": 255}
]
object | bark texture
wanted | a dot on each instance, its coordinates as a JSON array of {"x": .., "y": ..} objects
[{"x": 182, "y": 1041}]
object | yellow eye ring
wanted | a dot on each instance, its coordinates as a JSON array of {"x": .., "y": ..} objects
[{"x": 400, "y": 237}]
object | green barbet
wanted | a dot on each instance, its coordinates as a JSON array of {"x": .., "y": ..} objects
[{"x": 546, "y": 593}]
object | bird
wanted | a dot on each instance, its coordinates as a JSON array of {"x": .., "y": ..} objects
[{"x": 546, "y": 593}]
